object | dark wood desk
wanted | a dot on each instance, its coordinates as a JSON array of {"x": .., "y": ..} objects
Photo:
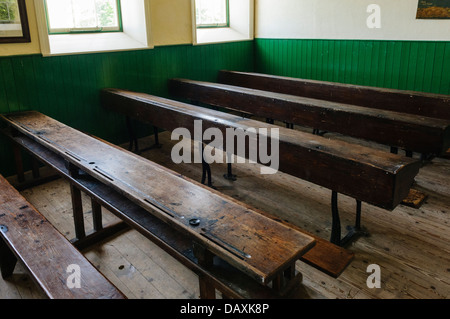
[
  {"x": 414, "y": 133},
  {"x": 257, "y": 245},
  {"x": 402, "y": 101},
  {"x": 365, "y": 174}
]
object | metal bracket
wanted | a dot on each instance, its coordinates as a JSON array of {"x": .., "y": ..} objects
[
  {"x": 353, "y": 231},
  {"x": 134, "y": 140},
  {"x": 229, "y": 175},
  {"x": 206, "y": 169},
  {"x": 319, "y": 132},
  {"x": 408, "y": 153}
]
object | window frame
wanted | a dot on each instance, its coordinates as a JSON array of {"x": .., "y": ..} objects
[
  {"x": 25, "y": 37},
  {"x": 241, "y": 28},
  {"x": 219, "y": 25},
  {"x": 84, "y": 30},
  {"x": 136, "y": 34}
]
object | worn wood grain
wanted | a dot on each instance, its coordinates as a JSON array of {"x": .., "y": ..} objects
[
  {"x": 411, "y": 102},
  {"x": 222, "y": 276},
  {"x": 369, "y": 175},
  {"x": 410, "y": 245},
  {"x": 45, "y": 253},
  {"x": 236, "y": 234},
  {"x": 411, "y": 132}
]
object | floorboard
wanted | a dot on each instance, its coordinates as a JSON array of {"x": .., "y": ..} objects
[{"x": 411, "y": 246}]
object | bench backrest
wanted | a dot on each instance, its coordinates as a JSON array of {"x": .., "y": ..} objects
[
  {"x": 46, "y": 254},
  {"x": 411, "y": 102}
]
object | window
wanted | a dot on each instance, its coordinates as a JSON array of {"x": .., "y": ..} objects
[
  {"x": 65, "y": 16},
  {"x": 212, "y": 13},
  {"x": 216, "y": 21},
  {"x": 13, "y": 22},
  {"x": 9, "y": 12},
  {"x": 89, "y": 26}
]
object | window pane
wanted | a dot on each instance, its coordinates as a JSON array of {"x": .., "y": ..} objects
[
  {"x": 9, "y": 12},
  {"x": 10, "y": 19},
  {"x": 82, "y": 14},
  {"x": 107, "y": 13},
  {"x": 211, "y": 12}
]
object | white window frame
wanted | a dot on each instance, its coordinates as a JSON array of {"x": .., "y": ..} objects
[
  {"x": 241, "y": 25},
  {"x": 91, "y": 29},
  {"x": 136, "y": 33},
  {"x": 218, "y": 25}
]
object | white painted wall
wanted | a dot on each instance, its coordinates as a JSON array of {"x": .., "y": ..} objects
[{"x": 344, "y": 19}]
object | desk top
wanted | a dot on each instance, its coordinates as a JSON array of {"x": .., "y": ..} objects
[
  {"x": 251, "y": 242},
  {"x": 364, "y": 173}
]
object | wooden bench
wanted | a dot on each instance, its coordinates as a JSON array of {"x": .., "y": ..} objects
[
  {"x": 27, "y": 236},
  {"x": 365, "y": 174},
  {"x": 410, "y": 132},
  {"x": 402, "y": 101},
  {"x": 116, "y": 181}
]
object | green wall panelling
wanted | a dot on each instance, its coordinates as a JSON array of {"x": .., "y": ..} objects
[
  {"x": 407, "y": 65},
  {"x": 67, "y": 87}
]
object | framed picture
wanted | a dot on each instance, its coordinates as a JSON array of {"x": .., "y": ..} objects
[
  {"x": 433, "y": 9},
  {"x": 13, "y": 22}
]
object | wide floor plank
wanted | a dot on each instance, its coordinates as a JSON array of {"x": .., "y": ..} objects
[{"x": 410, "y": 245}]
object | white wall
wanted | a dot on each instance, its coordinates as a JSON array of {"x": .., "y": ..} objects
[{"x": 344, "y": 19}]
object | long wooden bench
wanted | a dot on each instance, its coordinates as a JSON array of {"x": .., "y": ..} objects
[
  {"x": 222, "y": 277},
  {"x": 402, "y": 101},
  {"x": 410, "y": 132},
  {"x": 27, "y": 236},
  {"x": 365, "y": 174},
  {"x": 118, "y": 179}
]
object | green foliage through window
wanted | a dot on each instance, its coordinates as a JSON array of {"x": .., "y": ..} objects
[
  {"x": 9, "y": 11},
  {"x": 64, "y": 16},
  {"x": 212, "y": 13}
]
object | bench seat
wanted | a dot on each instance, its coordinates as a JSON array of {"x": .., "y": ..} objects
[
  {"x": 258, "y": 258},
  {"x": 324, "y": 256},
  {"x": 28, "y": 237}
]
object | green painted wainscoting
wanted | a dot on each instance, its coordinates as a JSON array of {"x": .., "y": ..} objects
[
  {"x": 67, "y": 87},
  {"x": 406, "y": 65}
]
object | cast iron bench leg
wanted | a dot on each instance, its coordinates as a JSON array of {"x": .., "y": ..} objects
[
  {"x": 206, "y": 168},
  {"x": 353, "y": 231}
]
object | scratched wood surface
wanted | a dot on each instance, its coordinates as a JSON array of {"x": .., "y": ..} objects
[
  {"x": 410, "y": 245},
  {"x": 367, "y": 174},
  {"x": 327, "y": 257},
  {"x": 249, "y": 241},
  {"x": 411, "y": 132},
  {"x": 45, "y": 252},
  {"x": 411, "y": 102}
]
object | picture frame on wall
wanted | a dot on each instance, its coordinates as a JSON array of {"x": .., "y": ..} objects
[
  {"x": 433, "y": 9},
  {"x": 14, "y": 22}
]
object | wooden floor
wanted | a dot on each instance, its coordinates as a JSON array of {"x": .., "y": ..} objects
[{"x": 411, "y": 246}]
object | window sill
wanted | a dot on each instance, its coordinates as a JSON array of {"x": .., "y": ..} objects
[
  {"x": 241, "y": 25},
  {"x": 136, "y": 33},
  {"x": 63, "y": 44},
  {"x": 218, "y": 35}
]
